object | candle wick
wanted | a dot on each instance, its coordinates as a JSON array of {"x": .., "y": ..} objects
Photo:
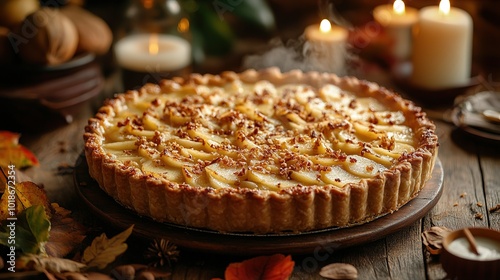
[{"x": 472, "y": 241}]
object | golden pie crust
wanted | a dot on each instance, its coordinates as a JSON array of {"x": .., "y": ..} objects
[{"x": 261, "y": 151}]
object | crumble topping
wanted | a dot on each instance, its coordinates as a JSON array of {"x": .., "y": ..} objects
[{"x": 255, "y": 135}]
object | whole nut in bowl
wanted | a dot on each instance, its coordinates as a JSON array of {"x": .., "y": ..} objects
[
  {"x": 46, "y": 37},
  {"x": 12, "y": 12},
  {"x": 461, "y": 262},
  {"x": 94, "y": 35}
]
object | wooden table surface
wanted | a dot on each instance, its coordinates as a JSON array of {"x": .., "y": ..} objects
[{"x": 471, "y": 187}]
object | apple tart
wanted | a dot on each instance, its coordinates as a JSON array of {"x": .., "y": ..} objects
[{"x": 261, "y": 151}]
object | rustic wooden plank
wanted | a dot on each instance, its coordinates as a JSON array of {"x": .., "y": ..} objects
[
  {"x": 463, "y": 188},
  {"x": 462, "y": 182},
  {"x": 57, "y": 148},
  {"x": 404, "y": 254},
  {"x": 195, "y": 265},
  {"x": 370, "y": 260},
  {"x": 489, "y": 153}
]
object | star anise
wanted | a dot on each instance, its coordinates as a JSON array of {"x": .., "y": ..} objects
[{"x": 162, "y": 252}]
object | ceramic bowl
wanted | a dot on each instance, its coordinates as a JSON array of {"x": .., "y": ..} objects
[
  {"x": 32, "y": 96},
  {"x": 460, "y": 262}
]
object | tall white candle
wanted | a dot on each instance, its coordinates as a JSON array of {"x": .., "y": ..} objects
[
  {"x": 442, "y": 49},
  {"x": 326, "y": 47},
  {"x": 397, "y": 21},
  {"x": 150, "y": 53}
]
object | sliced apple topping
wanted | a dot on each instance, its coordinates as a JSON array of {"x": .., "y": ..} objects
[
  {"x": 151, "y": 123},
  {"x": 120, "y": 146},
  {"x": 197, "y": 154},
  {"x": 362, "y": 167},
  {"x": 256, "y": 136},
  {"x": 307, "y": 178},
  {"x": 331, "y": 93},
  {"x": 228, "y": 175},
  {"x": 251, "y": 113},
  {"x": 338, "y": 176},
  {"x": 194, "y": 177},
  {"x": 156, "y": 168},
  {"x": 270, "y": 181},
  {"x": 187, "y": 143}
]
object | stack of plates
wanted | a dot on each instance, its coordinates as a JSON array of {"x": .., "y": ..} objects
[{"x": 479, "y": 114}]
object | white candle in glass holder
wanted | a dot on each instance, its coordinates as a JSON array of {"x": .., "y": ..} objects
[
  {"x": 442, "y": 47},
  {"x": 152, "y": 57},
  {"x": 153, "y": 52},
  {"x": 397, "y": 21}
]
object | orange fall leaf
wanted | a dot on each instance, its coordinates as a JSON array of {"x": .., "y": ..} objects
[
  {"x": 275, "y": 267},
  {"x": 8, "y": 139},
  {"x": 11, "y": 152}
]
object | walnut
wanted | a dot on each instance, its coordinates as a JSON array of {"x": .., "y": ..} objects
[
  {"x": 12, "y": 12},
  {"x": 94, "y": 35},
  {"x": 433, "y": 239},
  {"x": 46, "y": 37},
  {"x": 339, "y": 271}
]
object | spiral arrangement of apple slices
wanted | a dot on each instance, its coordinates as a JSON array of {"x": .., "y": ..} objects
[{"x": 255, "y": 135}]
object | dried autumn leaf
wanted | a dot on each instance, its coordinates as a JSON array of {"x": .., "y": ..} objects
[
  {"x": 26, "y": 194},
  {"x": 433, "y": 239},
  {"x": 339, "y": 271},
  {"x": 275, "y": 267},
  {"x": 49, "y": 264},
  {"x": 19, "y": 156},
  {"x": 103, "y": 251},
  {"x": 66, "y": 234}
]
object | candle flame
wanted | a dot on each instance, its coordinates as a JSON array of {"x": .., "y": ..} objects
[
  {"x": 153, "y": 44},
  {"x": 148, "y": 4},
  {"x": 325, "y": 26},
  {"x": 399, "y": 7},
  {"x": 183, "y": 25},
  {"x": 444, "y": 7}
]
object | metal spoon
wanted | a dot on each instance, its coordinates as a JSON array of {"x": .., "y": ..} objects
[{"x": 492, "y": 115}]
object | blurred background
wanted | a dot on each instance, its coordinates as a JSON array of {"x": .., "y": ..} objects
[{"x": 223, "y": 35}]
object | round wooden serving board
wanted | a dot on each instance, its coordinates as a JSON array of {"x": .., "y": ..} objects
[{"x": 250, "y": 244}]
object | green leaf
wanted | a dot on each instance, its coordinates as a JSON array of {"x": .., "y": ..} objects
[
  {"x": 218, "y": 38},
  {"x": 32, "y": 229},
  {"x": 104, "y": 251},
  {"x": 256, "y": 12}
]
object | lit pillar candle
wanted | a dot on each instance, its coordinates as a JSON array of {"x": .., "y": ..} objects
[
  {"x": 153, "y": 52},
  {"x": 152, "y": 56},
  {"x": 442, "y": 47},
  {"x": 397, "y": 21},
  {"x": 326, "y": 47}
]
